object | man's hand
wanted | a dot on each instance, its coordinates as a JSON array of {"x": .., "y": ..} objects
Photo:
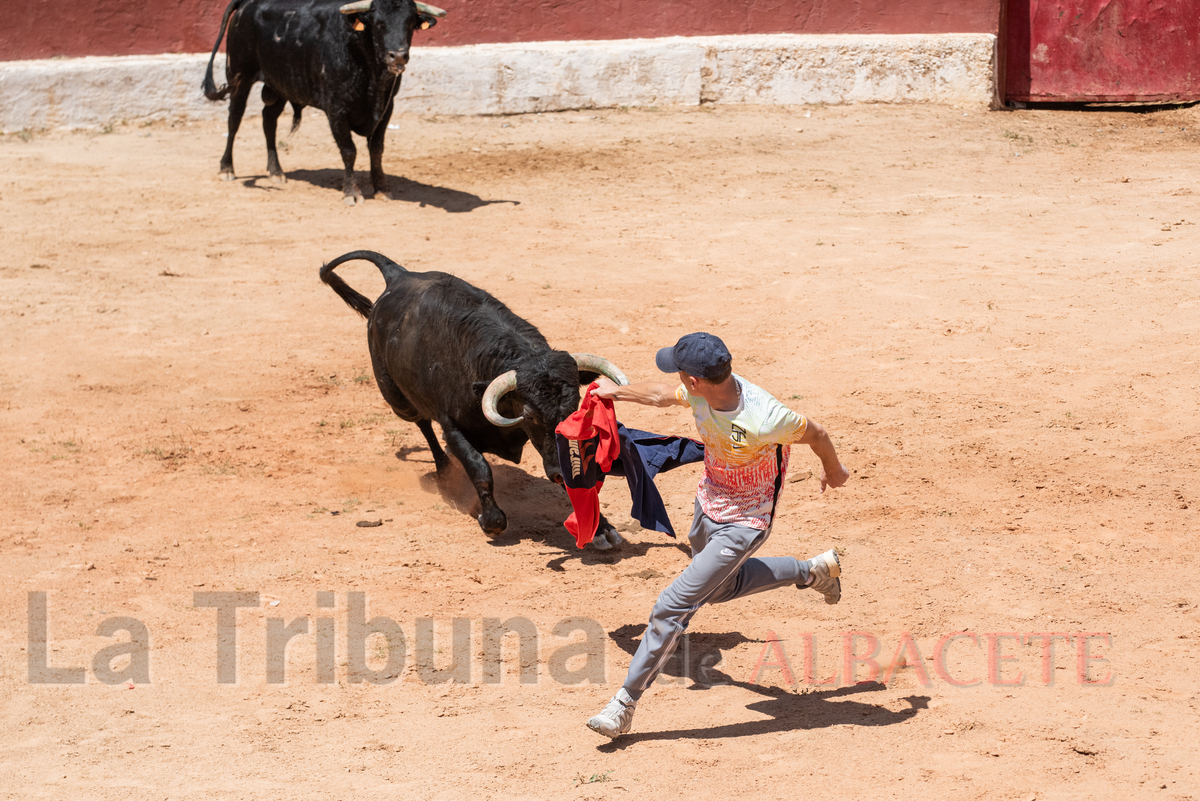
[
  {"x": 833, "y": 472},
  {"x": 605, "y": 387},
  {"x": 834, "y": 478}
]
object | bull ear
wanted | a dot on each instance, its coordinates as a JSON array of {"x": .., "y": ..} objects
[
  {"x": 479, "y": 387},
  {"x": 427, "y": 22}
]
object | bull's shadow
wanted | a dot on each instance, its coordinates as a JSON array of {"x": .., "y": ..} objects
[
  {"x": 696, "y": 659},
  {"x": 406, "y": 190},
  {"x": 403, "y": 190},
  {"x": 534, "y": 506}
]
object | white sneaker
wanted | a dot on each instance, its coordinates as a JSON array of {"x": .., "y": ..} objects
[
  {"x": 617, "y": 717},
  {"x": 824, "y": 570}
]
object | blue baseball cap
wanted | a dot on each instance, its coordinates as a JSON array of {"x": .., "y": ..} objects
[{"x": 701, "y": 355}]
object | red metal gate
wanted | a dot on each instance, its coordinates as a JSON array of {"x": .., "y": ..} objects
[{"x": 1102, "y": 50}]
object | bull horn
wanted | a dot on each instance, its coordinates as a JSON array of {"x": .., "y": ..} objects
[
  {"x": 365, "y": 5},
  {"x": 432, "y": 11},
  {"x": 501, "y": 385},
  {"x": 596, "y": 364}
]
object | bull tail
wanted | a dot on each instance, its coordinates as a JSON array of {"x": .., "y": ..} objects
[
  {"x": 210, "y": 87},
  {"x": 296, "y": 109},
  {"x": 354, "y": 299}
]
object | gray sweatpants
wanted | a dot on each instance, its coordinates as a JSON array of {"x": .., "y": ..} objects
[{"x": 722, "y": 568}]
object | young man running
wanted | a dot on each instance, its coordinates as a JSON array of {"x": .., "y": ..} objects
[{"x": 747, "y": 438}]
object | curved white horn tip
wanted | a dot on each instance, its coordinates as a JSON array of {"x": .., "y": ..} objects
[
  {"x": 432, "y": 11},
  {"x": 501, "y": 385},
  {"x": 597, "y": 364}
]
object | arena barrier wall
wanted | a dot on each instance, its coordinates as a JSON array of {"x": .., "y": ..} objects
[{"x": 516, "y": 78}]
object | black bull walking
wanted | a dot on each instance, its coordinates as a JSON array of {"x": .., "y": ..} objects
[
  {"x": 343, "y": 59},
  {"x": 446, "y": 351}
]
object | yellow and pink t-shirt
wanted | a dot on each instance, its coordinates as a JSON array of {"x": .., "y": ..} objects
[{"x": 738, "y": 482}]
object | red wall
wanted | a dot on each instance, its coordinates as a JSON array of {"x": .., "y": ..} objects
[
  {"x": 47, "y": 28},
  {"x": 1132, "y": 51}
]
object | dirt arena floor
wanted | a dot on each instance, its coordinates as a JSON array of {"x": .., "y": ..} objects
[{"x": 994, "y": 313}]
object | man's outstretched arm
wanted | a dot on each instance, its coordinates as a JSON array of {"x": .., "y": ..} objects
[
  {"x": 646, "y": 393},
  {"x": 833, "y": 474}
]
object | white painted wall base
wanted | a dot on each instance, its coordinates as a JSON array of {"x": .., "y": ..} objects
[{"x": 544, "y": 76}]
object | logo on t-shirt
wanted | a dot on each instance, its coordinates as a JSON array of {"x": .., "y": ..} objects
[{"x": 738, "y": 435}]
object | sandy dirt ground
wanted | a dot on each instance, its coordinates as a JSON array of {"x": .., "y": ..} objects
[{"x": 994, "y": 313}]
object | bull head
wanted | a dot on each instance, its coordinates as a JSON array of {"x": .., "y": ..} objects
[
  {"x": 365, "y": 5},
  {"x": 506, "y": 382}
]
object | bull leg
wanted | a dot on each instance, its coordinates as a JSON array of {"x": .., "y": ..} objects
[
  {"x": 405, "y": 411},
  {"x": 340, "y": 127},
  {"x": 237, "y": 107},
  {"x": 272, "y": 107},
  {"x": 375, "y": 148},
  {"x": 491, "y": 518},
  {"x": 440, "y": 460}
]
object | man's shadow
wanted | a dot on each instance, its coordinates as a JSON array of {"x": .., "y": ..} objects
[
  {"x": 402, "y": 190},
  {"x": 696, "y": 659}
]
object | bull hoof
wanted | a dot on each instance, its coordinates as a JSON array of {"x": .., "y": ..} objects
[
  {"x": 279, "y": 178},
  {"x": 227, "y": 175},
  {"x": 606, "y": 540},
  {"x": 493, "y": 522},
  {"x": 353, "y": 200},
  {"x": 383, "y": 196}
]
